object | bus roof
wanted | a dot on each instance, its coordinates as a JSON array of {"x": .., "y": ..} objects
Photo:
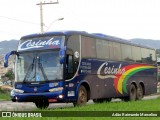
[{"x": 94, "y": 35}]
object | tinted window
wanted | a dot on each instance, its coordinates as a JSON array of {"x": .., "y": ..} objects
[
  {"x": 146, "y": 56},
  {"x": 88, "y": 47},
  {"x": 74, "y": 45},
  {"x": 102, "y": 49},
  {"x": 73, "y": 55},
  {"x": 116, "y": 51},
  {"x": 136, "y": 53},
  {"x": 126, "y": 52},
  {"x": 110, "y": 46},
  {"x": 153, "y": 55}
]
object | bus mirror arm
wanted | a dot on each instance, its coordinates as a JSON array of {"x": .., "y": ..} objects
[
  {"x": 7, "y": 57},
  {"x": 62, "y": 55}
]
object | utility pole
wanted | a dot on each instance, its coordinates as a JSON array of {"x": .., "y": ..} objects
[{"x": 41, "y": 12}]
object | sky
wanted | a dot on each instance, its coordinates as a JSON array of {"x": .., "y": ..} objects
[{"x": 121, "y": 18}]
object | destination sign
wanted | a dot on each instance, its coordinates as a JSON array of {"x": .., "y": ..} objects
[{"x": 35, "y": 44}]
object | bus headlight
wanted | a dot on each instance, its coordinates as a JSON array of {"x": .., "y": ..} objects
[
  {"x": 18, "y": 91},
  {"x": 56, "y": 89},
  {"x": 60, "y": 96},
  {"x": 12, "y": 93}
]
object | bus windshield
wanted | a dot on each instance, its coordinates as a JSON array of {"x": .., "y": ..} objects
[{"x": 38, "y": 66}]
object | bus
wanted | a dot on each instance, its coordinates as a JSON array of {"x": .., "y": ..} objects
[{"x": 76, "y": 66}]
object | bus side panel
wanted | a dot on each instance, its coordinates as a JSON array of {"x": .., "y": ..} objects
[
  {"x": 108, "y": 79},
  {"x": 113, "y": 79}
]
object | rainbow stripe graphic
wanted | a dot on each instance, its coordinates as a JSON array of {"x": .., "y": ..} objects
[{"x": 121, "y": 79}]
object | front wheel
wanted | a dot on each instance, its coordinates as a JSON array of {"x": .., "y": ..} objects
[
  {"x": 42, "y": 104},
  {"x": 82, "y": 96}
]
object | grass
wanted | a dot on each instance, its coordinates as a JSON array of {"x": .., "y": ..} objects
[
  {"x": 4, "y": 94},
  {"x": 145, "y": 105}
]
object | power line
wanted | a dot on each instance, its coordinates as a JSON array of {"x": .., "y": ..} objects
[
  {"x": 10, "y": 33},
  {"x": 18, "y": 20},
  {"x": 41, "y": 12}
]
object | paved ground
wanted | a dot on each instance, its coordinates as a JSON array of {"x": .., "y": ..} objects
[{"x": 14, "y": 106}]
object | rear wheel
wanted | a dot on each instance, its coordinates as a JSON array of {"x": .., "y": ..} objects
[
  {"x": 133, "y": 93},
  {"x": 82, "y": 96},
  {"x": 139, "y": 92}
]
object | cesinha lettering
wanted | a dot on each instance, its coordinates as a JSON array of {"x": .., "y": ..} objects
[
  {"x": 38, "y": 44},
  {"x": 42, "y": 43},
  {"x": 113, "y": 70},
  {"x": 109, "y": 71}
]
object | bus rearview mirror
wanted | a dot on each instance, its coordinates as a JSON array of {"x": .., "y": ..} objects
[
  {"x": 62, "y": 55},
  {"x": 7, "y": 57}
]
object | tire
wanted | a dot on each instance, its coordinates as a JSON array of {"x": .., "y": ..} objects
[
  {"x": 82, "y": 96},
  {"x": 132, "y": 93},
  {"x": 139, "y": 92},
  {"x": 42, "y": 104}
]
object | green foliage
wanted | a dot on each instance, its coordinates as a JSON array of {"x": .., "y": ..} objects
[
  {"x": 4, "y": 94},
  {"x": 10, "y": 75}
]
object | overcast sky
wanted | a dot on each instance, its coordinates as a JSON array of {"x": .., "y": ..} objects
[{"x": 121, "y": 18}]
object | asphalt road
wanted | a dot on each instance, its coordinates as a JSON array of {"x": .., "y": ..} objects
[{"x": 15, "y": 106}]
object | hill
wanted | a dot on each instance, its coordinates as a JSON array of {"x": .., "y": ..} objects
[
  {"x": 147, "y": 42},
  {"x": 7, "y": 46}
]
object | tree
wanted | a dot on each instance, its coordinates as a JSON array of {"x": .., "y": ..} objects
[{"x": 10, "y": 75}]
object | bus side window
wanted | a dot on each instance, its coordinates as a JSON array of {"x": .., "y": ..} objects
[{"x": 69, "y": 66}]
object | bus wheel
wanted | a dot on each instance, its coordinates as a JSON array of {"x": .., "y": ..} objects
[
  {"x": 42, "y": 104},
  {"x": 82, "y": 96},
  {"x": 139, "y": 92},
  {"x": 132, "y": 93}
]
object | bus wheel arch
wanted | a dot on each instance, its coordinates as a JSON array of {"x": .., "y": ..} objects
[
  {"x": 87, "y": 89},
  {"x": 83, "y": 94}
]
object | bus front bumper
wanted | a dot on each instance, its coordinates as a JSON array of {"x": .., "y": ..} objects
[{"x": 51, "y": 97}]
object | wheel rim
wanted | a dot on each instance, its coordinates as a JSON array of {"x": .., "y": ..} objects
[
  {"x": 133, "y": 93},
  {"x": 82, "y": 96},
  {"x": 140, "y": 93}
]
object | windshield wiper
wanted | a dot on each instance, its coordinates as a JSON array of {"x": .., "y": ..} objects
[
  {"x": 41, "y": 67},
  {"x": 29, "y": 71}
]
